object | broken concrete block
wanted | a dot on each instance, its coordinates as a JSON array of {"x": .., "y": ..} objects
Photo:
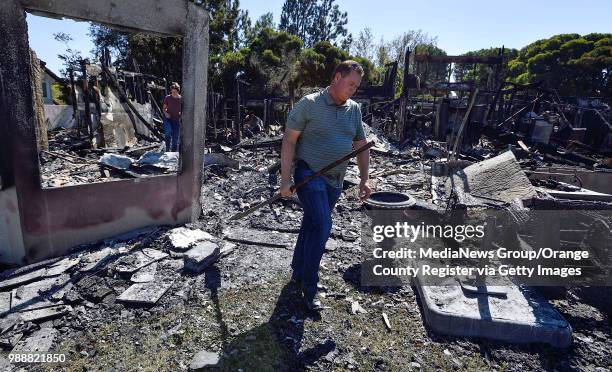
[
  {"x": 500, "y": 178},
  {"x": 96, "y": 260},
  {"x": 201, "y": 256},
  {"x": 203, "y": 359},
  {"x": 22, "y": 279},
  {"x": 117, "y": 161},
  {"x": 50, "y": 312},
  {"x": 39, "y": 342},
  {"x": 35, "y": 295},
  {"x": 521, "y": 316},
  {"x": 62, "y": 266},
  {"x": 145, "y": 275},
  {"x": 227, "y": 249},
  {"x": 145, "y": 293},
  {"x": 182, "y": 238},
  {"x": 139, "y": 259},
  {"x": 60, "y": 294},
  {"x": 8, "y": 322}
]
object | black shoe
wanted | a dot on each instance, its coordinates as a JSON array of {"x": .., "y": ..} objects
[{"x": 313, "y": 303}]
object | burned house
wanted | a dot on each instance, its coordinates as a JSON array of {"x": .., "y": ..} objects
[
  {"x": 139, "y": 266},
  {"x": 39, "y": 223}
]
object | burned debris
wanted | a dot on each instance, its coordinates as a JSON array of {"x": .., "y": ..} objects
[
  {"x": 115, "y": 130},
  {"x": 197, "y": 288}
]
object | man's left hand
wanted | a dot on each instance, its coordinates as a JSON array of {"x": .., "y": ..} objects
[{"x": 364, "y": 190}]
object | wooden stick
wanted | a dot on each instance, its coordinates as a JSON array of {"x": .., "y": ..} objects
[
  {"x": 463, "y": 123},
  {"x": 240, "y": 215}
]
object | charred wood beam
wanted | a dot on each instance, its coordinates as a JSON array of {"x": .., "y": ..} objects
[
  {"x": 463, "y": 124},
  {"x": 522, "y": 110},
  {"x": 73, "y": 98},
  {"x": 548, "y": 151},
  {"x": 86, "y": 100},
  {"x": 114, "y": 82}
]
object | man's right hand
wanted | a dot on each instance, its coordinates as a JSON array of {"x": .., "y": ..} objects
[{"x": 285, "y": 189}]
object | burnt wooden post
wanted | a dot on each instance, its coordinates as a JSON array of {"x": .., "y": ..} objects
[
  {"x": 265, "y": 113},
  {"x": 404, "y": 98},
  {"x": 73, "y": 98},
  {"x": 100, "y": 129},
  {"x": 86, "y": 100},
  {"x": 237, "y": 116}
]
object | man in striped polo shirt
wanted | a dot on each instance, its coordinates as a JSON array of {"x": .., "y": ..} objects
[{"x": 321, "y": 128}]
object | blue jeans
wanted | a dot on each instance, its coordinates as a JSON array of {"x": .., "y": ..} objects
[
  {"x": 318, "y": 199},
  {"x": 171, "y": 134}
]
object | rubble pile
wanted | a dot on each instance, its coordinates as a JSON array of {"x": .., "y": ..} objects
[
  {"x": 70, "y": 161},
  {"x": 216, "y": 292}
]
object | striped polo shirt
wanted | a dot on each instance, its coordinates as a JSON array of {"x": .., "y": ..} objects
[{"x": 327, "y": 132}]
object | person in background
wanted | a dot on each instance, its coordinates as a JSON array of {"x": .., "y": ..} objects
[{"x": 172, "y": 112}]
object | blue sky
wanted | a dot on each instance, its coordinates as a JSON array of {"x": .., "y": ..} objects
[{"x": 460, "y": 27}]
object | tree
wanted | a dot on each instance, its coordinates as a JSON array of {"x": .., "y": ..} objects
[
  {"x": 244, "y": 30},
  {"x": 70, "y": 58},
  {"x": 269, "y": 64},
  {"x": 382, "y": 53},
  {"x": 247, "y": 32},
  {"x": 363, "y": 46},
  {"x": 318, "y": 63},
  {"x": 570, "y": 63},
  {"x": 479, "y": 73},
  {"x": 314, "y": 21},
  {"x": 409, "y": 39},
  {"x": 297, "y": 17},
  {"x": 329, "y": 23},
  {"x": 162, "y": 56}
]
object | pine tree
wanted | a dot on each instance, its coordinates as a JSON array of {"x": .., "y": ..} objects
[{"x": 314, "y": 21}]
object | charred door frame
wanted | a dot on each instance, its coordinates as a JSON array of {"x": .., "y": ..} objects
[{"x": 54, "y": 220}]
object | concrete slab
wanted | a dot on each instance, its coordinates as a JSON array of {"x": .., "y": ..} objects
[
  {"x": 139, "y": 259},
  {"x": 145, "y": 275},
  {"x": 522, "y": 316},
  {"x": 499, "y": 178},
  {"x": 46, "y": 313},
  {"x": 22, "y": 279},
  {"x": 8, "y": 322},
  {"x": 62, "y": 266},
  {"x": 96, "y": 260},
  {"x": 35, "y": 295},
  {"x": 40, "y": 341},
  {"x": 201, "y": 256},
  {"x": 145, "y": 293},
  {"x": 183, "y": 238}
]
